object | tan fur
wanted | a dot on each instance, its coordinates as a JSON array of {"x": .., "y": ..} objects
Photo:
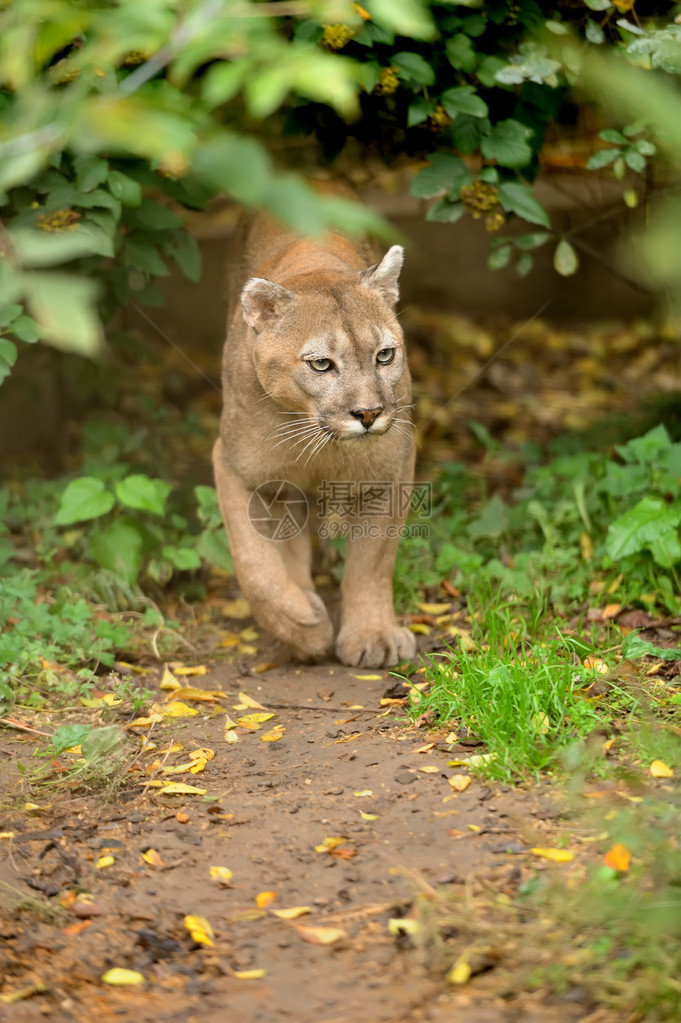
[{"x": 319, "y": 306}]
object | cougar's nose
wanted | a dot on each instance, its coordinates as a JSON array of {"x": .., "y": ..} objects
[{"x": 367, "y": 415}]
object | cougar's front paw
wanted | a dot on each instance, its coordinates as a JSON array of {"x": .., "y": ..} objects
[
  {"x": 375, "y": 647},
  {"x": 299, "y": 619}
]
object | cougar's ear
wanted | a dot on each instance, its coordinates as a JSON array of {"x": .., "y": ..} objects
[
  {"x": 263, "y": 301},
  {"x": 384, "y": 275}
]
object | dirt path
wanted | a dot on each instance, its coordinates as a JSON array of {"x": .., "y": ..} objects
[{"x": 267, "y": 806}]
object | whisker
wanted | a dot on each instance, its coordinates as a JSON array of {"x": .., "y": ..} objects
[
  {"x": 297, "y": 438},
  {"x": 309, "y": 444},
  {"x": 326, "y": 437}
]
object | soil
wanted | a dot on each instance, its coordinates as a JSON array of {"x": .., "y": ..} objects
[{"x": 267, "y": 806}]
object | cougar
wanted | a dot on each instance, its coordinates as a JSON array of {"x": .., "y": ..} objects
[{"x": 316, "y": 396}]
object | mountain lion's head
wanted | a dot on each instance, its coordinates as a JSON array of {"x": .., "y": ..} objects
[{"x": 329, "y": 351}]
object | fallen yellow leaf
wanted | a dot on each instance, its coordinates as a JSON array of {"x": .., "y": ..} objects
[
  {"x": 329, "y": 844},
  {"x": 105, "y": 861},
  {"x": 249, "y": 634},
  {"x": 200, "y": 930},
  {"x": 460, "y": 782},
  {"x": 184, "y": 669},
  {"x": 118, "y": 976},
  {"x": 254, "y": 721},
  {"x": 403, "y": 925},
  {"x": 7, "y": 834},
  {"x": 368, "y": 816},
  {"x": 460, "y": 973},
  {"x": 364, "y": 792},
  {"x": 424, "y": 749},
  {"x": 248, "y": 974},
  {"x": 475, "y": 761},
  {"x": 368, "y": 678},
  {"x": 179, "y": 787},
  {"x": 246, "y": 701},
  {"x": 659, "y": 769},
  {"x": 199, "y": 695},
  {"x": 230, "y": 736},
  {"x": 433, "y": 609},
  {"x": 152, "y": 719},
  {"x": 321, "y": 935},
  {"x": 12, "y": 997},
  {"x": 429, "y": 769},
  {"x": 292, "y": 913},
  {"x": 152, "y": 857},
  {"x": 236, "y": 608},
  {"x": 264, "y": 899},
  {"x": 420, "y": 628},
  {"x": 555, "y": 855},
  {"x": 223, "y": 874},
  {"x": 168, "y": 680},
  {"x": 174, "y": 709},
  {"x": 274, "y": 735},
  {"x": 618, "y": 858}
]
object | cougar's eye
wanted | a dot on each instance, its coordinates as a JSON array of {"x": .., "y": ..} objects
[
  {"x": 385, "y": 356},
  {"x": 320, "y": 365}
]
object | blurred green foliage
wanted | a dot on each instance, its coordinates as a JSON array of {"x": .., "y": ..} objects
[{"x": 112, "y": 112}]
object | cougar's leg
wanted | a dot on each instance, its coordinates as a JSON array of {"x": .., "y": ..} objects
[
  {"x": 369, "y": 634},
  {"x": 293, "y": 613}
]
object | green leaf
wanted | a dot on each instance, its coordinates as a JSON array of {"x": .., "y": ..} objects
[
  {"x": 594, "y": 33},
  {"x": 213, "y": 547},
  {"x": 598, "y": 5},
  {"x": 26, "y": 329},
  {"x": 446, "y": 212},
  {"x": 445, "y": 173},
  {"x": 223, "y": 80},
  {"x": 43, "y": 248},
  {"x": 635, "y": 647},
  {"x": 615, "y": 137},
  {"x": 641, "y": 526},
  {"x": 107, "y": 743},
  {"x": 565, "y": 259},
  {"x": 118, "y": 547},
  {"x": 184, "y": 249},
  {"x": 91, "y": 171},
  {"x": 64, "y": 309},
  {"x": 8, "y": 356},
  {"x": 236, "y": 164},
  {"x": 9, "y": 312},
  {"x": 153, "y": 214},
  {"x": 414, "y": 67},
  {"x": 507, "y": 144},
  {"x": 463, "y": 100},
  {"x": 139, "y": 252},
  {"x": 67, "y": 736},
  {"x": 406, "y": 17},
  {"x": 419, "y": 110},
  {"x": 487, "y": 72},
  {"x": 517, "y": 198},
  {"x": 602, "y": 158},
  {"x": 532, "y": 241},
  {"x": 460, "y": 53},
  {"x": 467, "y": 132},
  {"x": 143, "y": 494},
  {"x": 499, "y": 257},
  {"x": 635, "y": 161},
  {"x": 648, "y": 449},
  {"x": 185, "y": 559},
  {"x": 125, "y": 189},
  {"x": 525, "y": 264},
  {"x": 666, "y": 549},
  {"x": 84, "y": 499}
]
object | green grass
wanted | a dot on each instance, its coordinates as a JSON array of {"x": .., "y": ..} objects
[{"x": 525, "y": 698}]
